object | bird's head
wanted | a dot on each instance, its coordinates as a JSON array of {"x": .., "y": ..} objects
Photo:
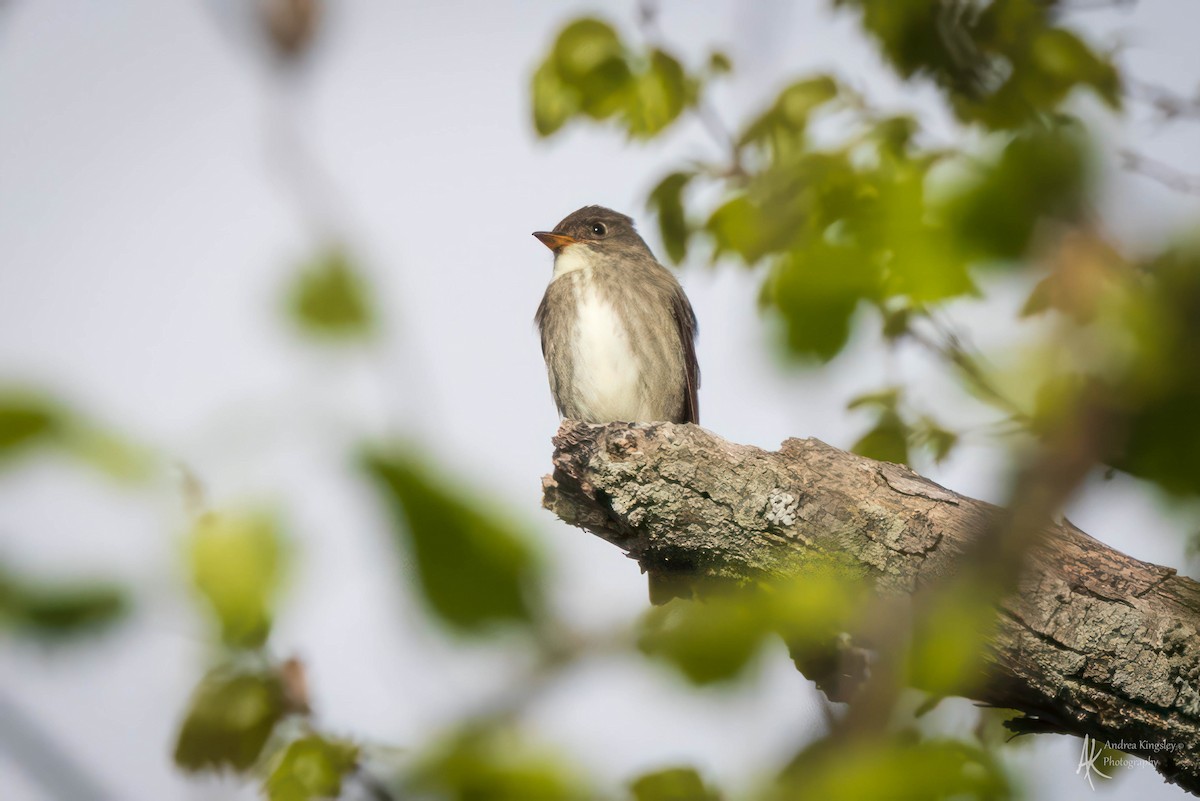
[{"x": 597, "y": 228}]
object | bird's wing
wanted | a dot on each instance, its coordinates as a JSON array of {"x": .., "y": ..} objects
[
  {"x": 546, "y": 335},
  {"x": 685, "y": 320},
  {"x": 539, "y": 319}
]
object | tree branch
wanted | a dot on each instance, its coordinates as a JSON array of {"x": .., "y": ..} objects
[{"x": 1093, "y": 641}]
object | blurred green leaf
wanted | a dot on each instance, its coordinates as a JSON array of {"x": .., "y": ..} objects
[
  {"x": 816, "y": 292},
  {"x": 58, "y": 610},
  {"x": 237, "y": 565},
  {"x": 785, "y": 122},
  {"x": 29, "y": 420},
  {"x": 931, "y": 436},
  {"x": 111, "y": 454},
  {"x": 659, "y": 95},
  {"x": 590, "y": 72},
  {"x": 707, "y": 641},
  {"x": 329, "y": 298},
  {"x": 896, "y": 323},
  {"x": 475, "y": 566},
  {"x": 719, "y": 63},
  {"x": 820, "y": 602},
  {"x": 672, "y": 784},
  {"x": 883, "y": 399},
  {"x": 920, "y": 259},
  {"x": 1003, "y": 65},
  {"x": 893, "y": 769},
  {"x": 26, "y": 420},
  {"x": 311, "y": 767},
  {"x": 1156, "y": 391},
  {"x": 493, "y": 765},
  {"x": 667, "y": 201},
  {"x": 888, "y": 439},
  {"x": 1041, "y": 174},
  {"x": 735, "y": 227},
  {"x": 1064, "y": 61},
  {"x": 229, "y": 719},
  {"x": 1041, "y": 297},
  {"x": 554, "y": 102},
  {"x": 589, "y": 57},
  {"x": 950, "y": 643}
]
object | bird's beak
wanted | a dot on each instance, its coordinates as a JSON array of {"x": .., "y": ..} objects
[{"x": 555, "y": 242}]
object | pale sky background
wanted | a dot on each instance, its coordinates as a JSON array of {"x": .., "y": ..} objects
[{"x": 145, "y": 240}]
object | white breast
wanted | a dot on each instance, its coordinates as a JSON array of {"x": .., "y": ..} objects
[{"x": 606, "y": 371}]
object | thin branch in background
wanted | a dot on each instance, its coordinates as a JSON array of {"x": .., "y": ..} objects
[
  {"x": 950, "y": 346},
  {"x": 1161, "y": 172},
  {"x": 374, "y": 788},
  {"x": 705, "y": 112},
  {"x": 45, "y": 760},
  {"x": 1095, "y": 5},
  {"x": 1169, "y": 104},
  {"x": 312, "y": 192}
]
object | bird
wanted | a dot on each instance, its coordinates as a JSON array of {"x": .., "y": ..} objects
[{"x": 617, "y": 331}]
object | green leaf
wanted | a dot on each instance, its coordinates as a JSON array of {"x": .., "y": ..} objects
[
  {"x": 586, "y": 46},
  {"x": 1041, "y": 174},
  {"x": 1062, "y": 59},
  {"x": 787, "y": 119},
  {"x": 554, "y": 102},
  {"x": 58, "y": 610},
  {"x": 885, "y": 399},
  {"x": 816, "y": 291},
  {"x": 667, "y": 200},
  {"x": 329, "y": 299},
  {"x": 895, "y": 767},
  {"x": 588, "y": 57},
  {"x": 237, "y": 565},
  {"x": 1004, "y": 66},
  {"x": 29, "y": 420},
  {"x": 589, "y": 71},
  {"x": 230, "y": 717},
  {"x": 493, "y": 765},
  {"x": 824, "y": 598},
  {"x": 950, "y": 644},
  {"x": 887, "y": 441},
  {"x": 110, "y": 453},
  {"x": 937, "y": 440},
  {"x": 719, "y": 63},
  {"x": 475, "y": 566},
  {"x": 1041, "y": 297},
  {"x": 311, "y": 768},
  {"x": 735, "y": 228},
  {"x": 659, "y": 95},
  {"x": 896, "y": 323},
  {"x": 26, "y": 420},
  {"x": 920, "y": 259},
  {"x": 672, "y": 784},
  {"x": 707, "y": 641},
  {"x": 1158, "y": 395}
]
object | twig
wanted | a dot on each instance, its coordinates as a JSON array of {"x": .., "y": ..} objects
[
  {"x": 1171, "y": 177},
  {"x": 951, "y": 348},
  {"x": 1096, "y": 5},
  {"x": 46, "y": 760},
  {"x": 1168, "y": 103},
  {"x": 705, "y": 112}
]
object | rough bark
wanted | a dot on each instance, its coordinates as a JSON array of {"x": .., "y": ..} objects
[{"x": 1092, "y": 642}]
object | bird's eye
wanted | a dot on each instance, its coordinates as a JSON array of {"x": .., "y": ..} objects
[{"x": 599, "y": 229}]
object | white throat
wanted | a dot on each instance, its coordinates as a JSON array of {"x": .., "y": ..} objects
[{"x": 571, "y": 259}]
